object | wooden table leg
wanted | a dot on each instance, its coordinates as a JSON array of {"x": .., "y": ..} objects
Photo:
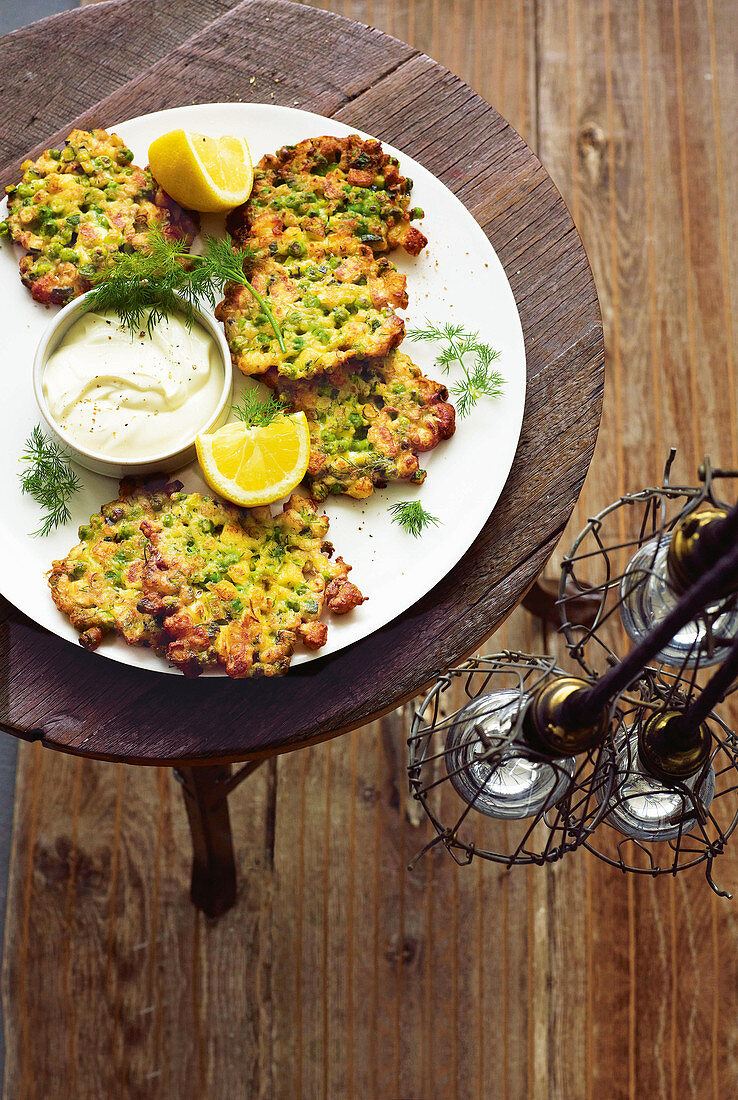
[{"x": 205, "y": 790}]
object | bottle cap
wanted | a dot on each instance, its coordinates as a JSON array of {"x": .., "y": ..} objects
[
  {"x": 549, "y": 730},
  {"x": 695, "y": 547},
  {"x": 669, "y": 751}
]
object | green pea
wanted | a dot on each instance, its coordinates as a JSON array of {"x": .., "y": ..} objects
[
  {"x": 125, "y": 156},
  {"x": 4, "y": 229},
  {"x": 41, "y": 267},
  {"x": 417, "y": 212},
  {"x": 167, "y": 520}
]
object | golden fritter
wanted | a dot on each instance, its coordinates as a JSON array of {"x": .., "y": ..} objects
[
  {"x": 318, "y": 213},
  {"x": 368, "y": 422},
  {"x": 99, "y": 584},
  {"x": 204, "y": 582},
  {"x": 324, "y": 316},
  {"x": 333, "y": 185},
  {"x": 76, "y": 206}
]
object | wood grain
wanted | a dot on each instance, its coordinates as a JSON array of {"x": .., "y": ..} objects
[
  {"x": 80, "y": 704},
  {"x": 333, "y": 976}
]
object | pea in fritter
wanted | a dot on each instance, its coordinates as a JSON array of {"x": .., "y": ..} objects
[
  {"x": 368, "y": 422},
  {"x": 78, "y": 205},
  {"x": 203, "y": 582},
  {"x": 326, "y": 184}
]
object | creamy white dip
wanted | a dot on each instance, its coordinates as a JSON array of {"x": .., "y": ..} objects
[{"x": 132, "y": 398}]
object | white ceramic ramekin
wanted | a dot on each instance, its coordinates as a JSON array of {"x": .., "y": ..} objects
[{"x": 157, "y": 460}]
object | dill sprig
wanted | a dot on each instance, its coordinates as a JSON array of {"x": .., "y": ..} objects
[
  {"x": 167, "y": 279},
  {"x": 257, "y": 412},
  {"x": 478, "y": 379},
  {"x": 412, "y": 517},
  {"x": 48, "y": 479}
]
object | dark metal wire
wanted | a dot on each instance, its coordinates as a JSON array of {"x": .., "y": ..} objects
[
  {"x": 600, "y": 541},
  {"x": 542, "y": 838},
  {"x": 708, "y": 838}
]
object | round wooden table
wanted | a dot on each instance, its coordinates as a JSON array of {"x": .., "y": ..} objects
[{"x": 139, "y": 58}]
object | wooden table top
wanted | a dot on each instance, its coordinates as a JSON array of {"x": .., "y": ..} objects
[{"x": 275, "y": 52}]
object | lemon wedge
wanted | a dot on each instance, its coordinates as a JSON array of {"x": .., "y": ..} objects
[
  {"x": 200, "y": 172},
  {"x": 253, "y": 466}
]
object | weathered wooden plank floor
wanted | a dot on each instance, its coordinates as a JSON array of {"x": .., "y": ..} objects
[{"x": 340, "y": 973}]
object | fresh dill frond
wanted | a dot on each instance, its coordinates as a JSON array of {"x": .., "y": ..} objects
[
  {"x": 257, "y": 412},
  {"x": 370, "y": 463},
  {"x": 412, "y": 517},
  {"x": 167, "y": 279},
  {"x": 436, "y": 333},
  {"x": 146, "y": 281},
  {"x": 221, "y": 263},
  {"x": 48, "y": 479},
  {"x": 477, "y": 380}
]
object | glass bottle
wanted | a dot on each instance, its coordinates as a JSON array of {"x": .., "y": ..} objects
[
  {"x": 648, "y": 593},
  {"x": 515, "y": 785},
  {"x": 650, "y": 809}
]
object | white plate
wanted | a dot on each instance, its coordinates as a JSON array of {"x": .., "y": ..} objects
[{"x": 457, "y": 278}]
